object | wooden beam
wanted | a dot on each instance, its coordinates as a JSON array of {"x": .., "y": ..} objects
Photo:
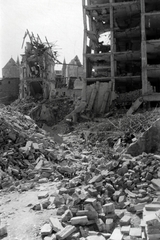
[
  {"x": 135, "y": 106},
  {"x": 143, "y": 49},
  {"x": 152, "y": 13},
  {"x": 84, "y": 39},
  {"x": 112, "y": 46},
  {"x": 93, "y": 96},
  {"x": 107, "y": 5}
]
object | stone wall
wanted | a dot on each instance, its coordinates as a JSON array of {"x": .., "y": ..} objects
[{"x": 9, "y": 89}]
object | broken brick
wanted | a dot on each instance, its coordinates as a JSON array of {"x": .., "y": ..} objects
[
  {"x": 56, "y": 224},
  {"x": 80, "y": 220},
  {"x": 66, "y": 232}
]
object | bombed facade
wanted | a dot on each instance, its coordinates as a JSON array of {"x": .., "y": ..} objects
[
  {"x": 37, "y": 72},
  {"x": 128, "y": 64}
]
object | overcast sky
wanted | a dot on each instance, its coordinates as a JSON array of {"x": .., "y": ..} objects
[{"x": 60, "y": 21}]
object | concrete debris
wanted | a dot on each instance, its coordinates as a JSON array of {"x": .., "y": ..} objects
[
  {"x": 101, "y": 193},
  {"x": 3, "y": 230}
]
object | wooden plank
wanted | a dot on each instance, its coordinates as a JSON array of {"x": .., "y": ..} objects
[
  {"x": 135, "y": 106},
  {"x": 104, "y": 103},
  {"x": 107, "y": 5},
  {"x": 92, "y": 98},
  {"x": 95, "y": 107},
  {"x": 109, "y": 97}
]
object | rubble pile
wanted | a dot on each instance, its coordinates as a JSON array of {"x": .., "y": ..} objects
[
  {"x": 123, "y": 128},
  {"x": 102, "y": 191},
  {"x": 54, "y": 110},
  {"x": 102, "y": 202},
  {"x": 22, "y": 143},
  {"x": 128, "y": 97}
]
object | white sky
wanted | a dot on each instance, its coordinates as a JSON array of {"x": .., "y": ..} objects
[{"x": 60, "y": 21}]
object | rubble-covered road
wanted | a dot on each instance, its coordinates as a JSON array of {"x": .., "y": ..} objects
[{"x": 85, "y": 187}]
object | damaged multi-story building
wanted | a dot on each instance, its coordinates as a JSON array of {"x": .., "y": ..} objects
[
  {"x": 129, "y": 65},
  {"x": 39, "y": 76},
  {"x": 37, "y": 73}
]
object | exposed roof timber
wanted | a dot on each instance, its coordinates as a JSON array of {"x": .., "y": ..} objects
[{"x": 107, "y": 5}]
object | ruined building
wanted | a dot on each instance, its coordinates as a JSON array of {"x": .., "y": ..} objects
[
  {"x": 37, "y": 73},
  {"x": 130, "y": 62},
  {"x": 9, "y": 84}
]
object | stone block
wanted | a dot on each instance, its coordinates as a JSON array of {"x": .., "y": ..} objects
[
  {"x": 66, "y": 232},
  {"x": 92, "y": 213},
  {"x": 108, "y": 208},
  {"x": 125, "y": 230},
  {"x": 82, "y": 212},
  {"x": 116, "y": 235},
  {"x": 95, "y": 237},
  {"x": 109, "y": 224},
  {"x": 125, "y": 220},
  {"x": 135, "y": 232},
  {"x": 56, "y": 224},
  {"x": 67, "y": 216},
  {"x": 53, "y": 237},
  {"x": 3, "y": 231},
  {"x": 80, "y": 220},
  {"x": 119, "y": 213},
  {"x": 100, "y": 225},
  {"x": 91, "y": 201},
  {"x": 43, "y": 194},
  {"x": 152, "y": 207},
  {"x": 46, "y": 230}
]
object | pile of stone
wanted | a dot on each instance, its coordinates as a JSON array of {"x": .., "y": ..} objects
[
  {"x": 48, "y": 112},
  {"x": 151, "y": 221},
  {"x": 126, "y": 98},
  {"x": 102, "y": 200},
  {"x": 85, "y": 214},
  {"x": 22, "y": 144}
]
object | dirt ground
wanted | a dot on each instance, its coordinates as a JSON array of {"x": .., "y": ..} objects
[{"x": 16, "y": 212}]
